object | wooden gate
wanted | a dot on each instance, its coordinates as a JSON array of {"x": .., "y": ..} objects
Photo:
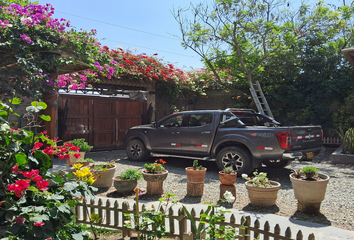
[{"x": 102, "y": 121}]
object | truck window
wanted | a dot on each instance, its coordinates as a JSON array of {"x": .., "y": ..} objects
[
  {"x": 196, "y": 120},
  {"x": 174, "y": 121}
]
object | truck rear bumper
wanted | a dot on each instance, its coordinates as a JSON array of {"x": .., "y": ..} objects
[{"x": 301, "y": 154}]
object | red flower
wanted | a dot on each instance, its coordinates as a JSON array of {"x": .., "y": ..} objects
[
  {"x": 161, "y": 161},
  {"x": 19, "y": 187},
  {"x": 42, "y": 185},
  {"x": 74, "y": 149},
  {"x": 77, "y": 155},
  {"x": 40, "y": 224},
  {"x": 19, "y": 220},
  {"x": 38, "y": 145},
  {"x": 31, "y": 174},
  {"x": 36, "y": 178},
  {"x": 14, "y": 169}
]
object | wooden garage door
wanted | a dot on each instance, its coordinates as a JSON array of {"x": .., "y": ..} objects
[{"x": 101, "y": 121}]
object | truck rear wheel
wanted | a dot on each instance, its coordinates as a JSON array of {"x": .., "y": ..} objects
[
  {"x": 277, "y": 163},
  {"x": 136, "y": 150},
  {"x": 237, "y": 158}
]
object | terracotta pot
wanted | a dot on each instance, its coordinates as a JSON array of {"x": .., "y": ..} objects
[
  {"x": 106, "y": 178},
  {"x": 84, "y": 164},
  {"x": 72, "y": 160},
  {"x": 263, "y": 197},
  {"x": 227, "y": 179},
  {"x": 195, "y": 176},
  {"x": 309, "y": 193},
  {"x": 124, "y": 186}
]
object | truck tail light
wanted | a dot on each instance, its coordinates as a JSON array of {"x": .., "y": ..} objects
[{"x": 284, "y": 139}]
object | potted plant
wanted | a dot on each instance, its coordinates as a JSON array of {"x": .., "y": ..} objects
[
  {"x": 127, "y": 180},
  {"x": 154, "y": 174},
  {"x": 84, "y": 148},
  {"x": 262, "y": 192},
  {"x": 228, "y": 176},
  {"x": 105, "y": 174},
  {"x": 345, "y": 153},
  {"x": 85, "y": 161},
  {"x": 309, "y": 188},
  {"x": 196, "y": 173}
]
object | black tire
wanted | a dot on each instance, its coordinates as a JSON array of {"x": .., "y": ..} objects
[
  {"x": 136, "y": 150},
  {"x": 237, "y": 158},
  {"x": 277, "y": 163}
]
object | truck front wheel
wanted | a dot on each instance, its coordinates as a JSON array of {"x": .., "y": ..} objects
[
  {"x": 237, "y": 158},
  {"x": 136, "y": 150}
]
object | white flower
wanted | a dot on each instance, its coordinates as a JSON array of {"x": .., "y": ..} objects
[
  {"x": 244, "y": 175},
  {"x": 127, "y": 222},
  {"x": 219, "y": 211},
  {"x": 229, "y": 197},
  {"x": 150, "y": 208}
]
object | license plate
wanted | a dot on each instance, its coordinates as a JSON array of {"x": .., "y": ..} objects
[{"x": 309, "y": 155}]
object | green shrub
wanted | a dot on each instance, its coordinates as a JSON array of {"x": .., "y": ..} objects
[
  {"x": 131, "y": 174},
  {"x": 348, "y": 141},
  {"x": 80, "y": 142},
  {"x": 309, "y": 169}
]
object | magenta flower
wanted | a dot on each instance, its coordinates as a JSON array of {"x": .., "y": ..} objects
[
  {"x": 39, "y": 224},
  {"x": 19, "y": 220},
  {"x": 25, "y": 38},
  {"x": 42, "y": 185}
]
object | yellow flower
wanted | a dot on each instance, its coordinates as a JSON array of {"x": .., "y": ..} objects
[{"x": 77, "y": 166}]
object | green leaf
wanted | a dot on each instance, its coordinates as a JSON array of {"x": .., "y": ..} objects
[
  {"x": 45, "y": 117},
  {"x": 15, "y": 101},
  {"x": 69, "y": 186},
  {"x": 21, "y": 158}
]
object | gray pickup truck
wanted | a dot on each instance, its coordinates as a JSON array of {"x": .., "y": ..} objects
[{"x": 240, "y": 138}]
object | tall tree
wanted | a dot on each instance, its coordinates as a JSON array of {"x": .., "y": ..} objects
[{"x": 242, "y": 35}]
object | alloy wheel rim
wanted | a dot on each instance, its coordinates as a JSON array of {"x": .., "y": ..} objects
[{"x": 233, "y": 160}]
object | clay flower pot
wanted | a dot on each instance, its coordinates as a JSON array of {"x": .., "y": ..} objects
[
  {"x": 309, "y": 193},
  {"x": 72, "y": 160},
  {"x": 105, "y": 179},
  {"x": 228, "y": 179},
  {"x": 123, "y": 185},
  {"x": 263, "y": 197},
  {"x": 195, "y": 176}
]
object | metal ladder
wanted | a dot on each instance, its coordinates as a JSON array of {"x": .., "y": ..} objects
[{"x": 260, "y": 100}]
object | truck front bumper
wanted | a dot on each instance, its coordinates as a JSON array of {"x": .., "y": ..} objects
[{"x": 301, "y": 154}]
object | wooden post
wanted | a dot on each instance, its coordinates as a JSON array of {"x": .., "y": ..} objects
[
  {"x": 50, "y": 98},
  {"x": 230, "y": 188},
  {"x": 195, "y": 189},
  {"x": 154, "y": 187}
]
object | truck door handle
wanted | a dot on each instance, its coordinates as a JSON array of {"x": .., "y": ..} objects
[
  {"x": 205, "y": 132},
  {"x": 175, "y": 132}
]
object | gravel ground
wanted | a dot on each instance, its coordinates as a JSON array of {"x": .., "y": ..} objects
[{"x": 336, "y": 210}]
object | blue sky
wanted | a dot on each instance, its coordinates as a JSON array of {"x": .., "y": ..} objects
[{"x": 148, "y": 26}]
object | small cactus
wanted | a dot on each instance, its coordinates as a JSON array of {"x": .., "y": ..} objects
[{"x": 228, "y": 170}]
